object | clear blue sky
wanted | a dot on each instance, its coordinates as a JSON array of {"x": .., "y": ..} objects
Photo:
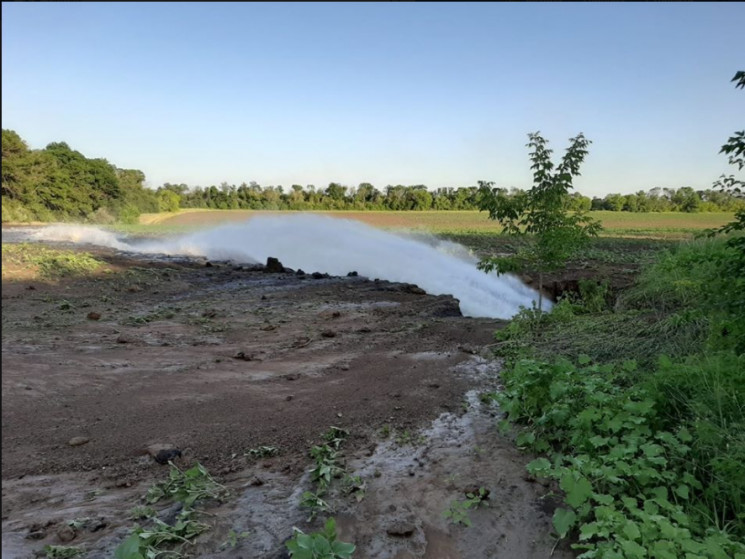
[{"x": 441, "y": 94}]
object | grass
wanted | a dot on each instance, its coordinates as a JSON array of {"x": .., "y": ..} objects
[
  {"x": 30, "y": 261},
  {"x": 640, "y": 408}
]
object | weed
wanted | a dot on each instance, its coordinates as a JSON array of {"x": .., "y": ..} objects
[
  {"x": 153, "y": 540},
  {"x": 326, "y": 465},
  {"x": 457, "y": 513},
  {"x": 141, "y": 513},
  {"x": 354, "y": 486},
  {"x": 385, "y": 431},
  {"x": 233, "y": 539},
  {"x": 408, "y": 438},
  {"x": 262, "y": 452},
  {"x": 187, "y": 486},
  {"x": 335, "y": 436},
  {"x": 62, "y": 551},
  {"x": 51, "y": 264},
  {"x": 628, "y": 481},
  {"x": 319, "y": 545},
  {"x": 315, "y": 503}
]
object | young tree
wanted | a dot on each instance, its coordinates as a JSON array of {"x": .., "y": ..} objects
[
  {"x": 550, "y": 234},
  {"x": 735, "y": 150}
]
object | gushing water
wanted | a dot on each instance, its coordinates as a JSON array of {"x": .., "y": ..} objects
[{"x": 335, "y": 246}]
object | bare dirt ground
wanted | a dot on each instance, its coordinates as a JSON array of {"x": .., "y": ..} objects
[{"x": 219, "y": 359}]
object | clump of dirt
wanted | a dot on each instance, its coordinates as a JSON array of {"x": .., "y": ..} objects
[{"x": 209, "y": 362}]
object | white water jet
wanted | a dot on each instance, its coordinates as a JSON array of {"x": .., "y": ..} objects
[{"x": 336, "y": 246}]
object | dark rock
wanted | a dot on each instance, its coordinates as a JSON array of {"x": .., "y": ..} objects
[
  {"x": 94, "y": 316},
  {"x": 36, "y": 535},
  {"x": 66, "y": 533},
  {"x": 413, "y": 289},
  {"x": 122, "y": 339},
  {"x": 299, "y": 273},
  {"x": 328, "y": 334},
  {"x": 165, "y": 456},
  {"x": 288, "y": 270},
  {"x": 273, "y": 266},
  {"x": 400, "y": 529},
  {"x": 170, "y": 514},
  {"x": 30, "y": 287},
  {"x": 256, "y": 481},
  {"x": 78, "y": 441},
  {"x": 242, "y": 355},
  {"x": 445, "y": 306},
  {"x": 208, "y": 264},
  {"x": 289, "y": 397},
  {"x": 319, "y": 275},
  {"x": 98, "y": 524},
  {"x": 352, "y": 274}
]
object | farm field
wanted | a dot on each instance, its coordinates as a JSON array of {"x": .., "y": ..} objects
[{"x": 671, "y": 225}]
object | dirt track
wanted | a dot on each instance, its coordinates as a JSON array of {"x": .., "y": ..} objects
[{"x": 219, "y": 359}]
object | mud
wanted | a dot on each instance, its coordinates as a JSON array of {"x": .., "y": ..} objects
[{"x": 217, "y": 360}]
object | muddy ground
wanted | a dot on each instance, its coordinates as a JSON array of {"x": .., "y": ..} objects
[{"x": 216, "y": 359}]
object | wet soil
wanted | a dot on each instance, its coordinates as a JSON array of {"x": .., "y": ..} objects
[{"x": 218, "y": 358}]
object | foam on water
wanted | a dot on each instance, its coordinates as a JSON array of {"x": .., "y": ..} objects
[{"x": 335, "y": 246}]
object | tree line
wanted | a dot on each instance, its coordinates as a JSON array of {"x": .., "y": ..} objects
[{"x": 58, "y": 183}]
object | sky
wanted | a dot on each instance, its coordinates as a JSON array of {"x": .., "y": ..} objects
[{"x": 442, "y": 94}]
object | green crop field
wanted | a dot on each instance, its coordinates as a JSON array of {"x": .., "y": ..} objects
[{"x": 616, "y": 224}]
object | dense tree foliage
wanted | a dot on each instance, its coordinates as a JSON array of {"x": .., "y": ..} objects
[
  {"x": 59, "y": 183},
  {"x": 252, "y": 196}
]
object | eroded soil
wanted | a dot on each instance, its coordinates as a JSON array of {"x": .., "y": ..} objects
[{"x": 216, "y": 360}]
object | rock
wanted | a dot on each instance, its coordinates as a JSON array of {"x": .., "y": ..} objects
[
  {"x": 97, "y": 524},
  {"x": 288, "y": 270},
  {"x": 242, "y": 355},
  {"x": 78, "y": 441},
  {"x": 414, "y": 289},
  {"x": 122, "y": 339},
  {"x": 208, "y": 264},
  {"x": 400, "y": 529},
  {"x": 352, "y": 274},
  {"x": 289, "y": 397},
  {"x": 273, "y": 266},
  {"x": 94, "y": 316},
  {"x": 165, "y": 456},
  {"x": 134, "y": 288},
  {"x": 328, "y": 334},
  {"x": 162, "y": 453},
  {"x": 299, "y": 273},
  {"x": 319, "y": 275},
  {"x": 66, "y": 533},
  {"x": 256, "y": 481},
  {"x": 170, "y": 514},
  {"x": 36, "y": 535},
  {"x": 30, "y": 287}
]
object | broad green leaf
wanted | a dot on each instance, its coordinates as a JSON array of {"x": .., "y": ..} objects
[
  {"x": 682, "y": 491},
  {"x": 577, "y": 490},
  {"x": 129, "y": 548},
  {"x": 563, "y": 521},
  {"x": 539, "y": 466},
  {"x": 631, "y": 530}
]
